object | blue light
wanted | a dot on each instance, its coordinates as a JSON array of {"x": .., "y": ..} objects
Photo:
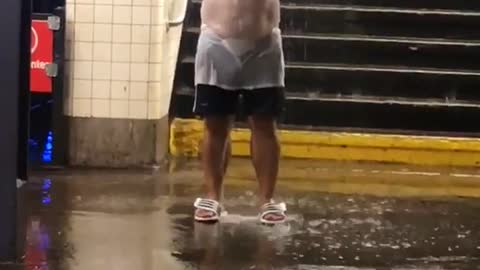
[
  {"x": 48, "y": 149},
  {"x": 47, "y": 184},
  {"x": 32, "y": 142},
  {"x": 47, "y": 158},
  {"x": 46, "y": 200}
]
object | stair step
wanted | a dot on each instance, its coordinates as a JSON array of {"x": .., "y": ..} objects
[
  {"x": 380, "y": 116},
  {"x": 412, "y": 4},
  {"x": 365, "y": 115},
  {"x": 467, "y": 5},
  {"x": 357, "y": 50},
  {"x": 365, "y": 20},
  {"x": 369, "y": 64},
  {"x": 367, "y": 80},
  {"x": 384, "y": 10},
  {"x": 373, "y": 68},
  {"x": 187, "y": 90},
  {"x": 195, "y": 31}
]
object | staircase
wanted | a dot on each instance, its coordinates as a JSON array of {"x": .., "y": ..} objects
[{"x": 384, "y": 66}]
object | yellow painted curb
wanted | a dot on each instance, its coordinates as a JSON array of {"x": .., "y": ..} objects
[{"x": 186, "y": 135}]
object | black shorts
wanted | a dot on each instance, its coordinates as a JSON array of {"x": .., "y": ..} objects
[{"x": 213, "y": 100}]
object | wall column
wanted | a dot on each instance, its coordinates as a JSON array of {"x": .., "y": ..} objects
[{"x": 121, "y": 62}]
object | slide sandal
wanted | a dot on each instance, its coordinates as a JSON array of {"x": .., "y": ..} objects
[
  {"x": 210, "y": 206},
  {"x": 275, "y": 210}
]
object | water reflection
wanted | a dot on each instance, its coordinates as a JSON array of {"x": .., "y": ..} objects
[
  {"x": 244, "y": 245},
  {"x": 144, "y": 222},
  {"x": 37, "y": 245}
]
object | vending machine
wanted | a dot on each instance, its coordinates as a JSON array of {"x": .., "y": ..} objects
[{"x": 47, "y": 125}]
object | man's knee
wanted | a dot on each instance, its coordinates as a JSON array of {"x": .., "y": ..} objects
[
  {"x": 218, "y": 126},
  {"x": 264, "y": 126}
]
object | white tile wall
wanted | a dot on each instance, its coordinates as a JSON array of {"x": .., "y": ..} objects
[
  {"x": 120, "y": 90},
  {"x": 101, "y": 108},
  {"x": 157, "y": 13},
  {"x": 120, "y": 71},
  {"x": 154, "y": 91},
  {"x": 100, "y": 2},
  {"x": 102, "y": 32},
  {"x": 83, "y": 1},
  {"x": 154, "y": 109},
  {"x": 102, "y": 51},
  {"x": 83, "y": 51},
  {"x": 157, "y": 33},
  {"x": 121, "y": 52},
  {"x": 82, "y": 70},
  {"x": 156, "y": 72},
  {"x": 139, "y": 91},
  {"x": 82, "y": 107},
  {"x": 83, "y": 31},
  {"x": 84, "y": 13},
  {"x": 141, "y": 15},
  {"x": 122, "y": 33},
  {"x": 141, "y": 34},
  {"x": 70, "y": 13},
  {"x": 139, "y": 72},
  {"x": 101, "y": 89},
  {"x": 122, "y": 15},
  {"x": 140, "y": 53},
  {"x": 156, "y": 53},
  {"x": 103, "y": 14},
  {"x": 82, "y": 88},
  {"x": 122, "y": 2},
  {"x": 102, "y": 70},
  {"x": 121, "y": 62},
  {"x": 119, "y": 109},
  {"x": 138, "y": 109},
  {"x": 142, "y": 2}
]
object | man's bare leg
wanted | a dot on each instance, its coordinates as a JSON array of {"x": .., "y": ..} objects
[
  {"x": 215, "y": 156},
  {"x": 265, "y": 150}
]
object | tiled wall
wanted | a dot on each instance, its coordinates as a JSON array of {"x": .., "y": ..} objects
[{"x": 121, "y": 58}]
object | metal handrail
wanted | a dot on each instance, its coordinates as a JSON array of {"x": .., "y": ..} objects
[{"x": 179, "y": 20}]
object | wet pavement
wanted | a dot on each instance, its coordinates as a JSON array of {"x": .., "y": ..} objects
[{"x": 139, "y": 220}]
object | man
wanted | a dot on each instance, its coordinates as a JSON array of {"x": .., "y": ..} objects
[{"x": 239, "y": 54}]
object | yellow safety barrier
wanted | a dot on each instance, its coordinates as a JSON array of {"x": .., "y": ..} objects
[{"x": 186, "y": 135}]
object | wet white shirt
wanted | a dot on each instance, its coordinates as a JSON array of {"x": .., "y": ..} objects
[
  {"x": 242, "y": 19},
  {"x": 240, "y": 45}
]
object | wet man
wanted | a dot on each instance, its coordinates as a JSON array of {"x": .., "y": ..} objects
[{"x": 240, "y": 58}]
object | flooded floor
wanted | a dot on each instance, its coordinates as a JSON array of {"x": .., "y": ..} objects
[{"x": 142, "y": 220}]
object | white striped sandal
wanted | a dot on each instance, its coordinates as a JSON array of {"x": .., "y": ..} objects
[
  {"x": 208, "y": 206},
  {"x": 278, "y": 210}
]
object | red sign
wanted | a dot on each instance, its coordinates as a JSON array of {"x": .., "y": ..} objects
[{"x": 42, "y": 54}]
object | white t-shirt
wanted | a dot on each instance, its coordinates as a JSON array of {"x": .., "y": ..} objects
[{"x": 239, "y": 64}]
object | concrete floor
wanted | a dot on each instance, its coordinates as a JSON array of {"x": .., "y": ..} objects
[{"x": 141, "y": 220}]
